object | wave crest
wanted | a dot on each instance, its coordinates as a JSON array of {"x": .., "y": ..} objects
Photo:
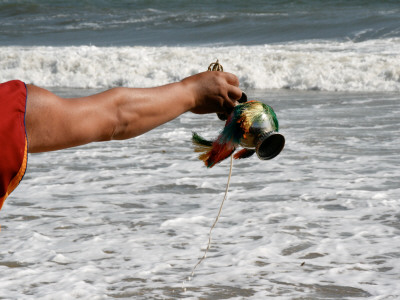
[{"x": 329, "y": 66}]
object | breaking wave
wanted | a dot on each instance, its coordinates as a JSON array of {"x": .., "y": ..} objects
[{"x": 373, "y": 65}]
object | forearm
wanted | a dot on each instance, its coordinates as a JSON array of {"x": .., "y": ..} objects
[{"x": 140, "y": 110}]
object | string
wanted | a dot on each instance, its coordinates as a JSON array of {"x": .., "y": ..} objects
[
  {"x": 216, "y": 219},
  {"x": 213, "y": 67}
]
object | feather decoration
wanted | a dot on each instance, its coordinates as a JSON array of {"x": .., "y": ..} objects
[{"x": 250, "y": 125}]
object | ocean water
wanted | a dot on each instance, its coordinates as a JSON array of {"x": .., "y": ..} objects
[
  {"x": 130, "y": 219},
  {"x": 302, "y": 45}
]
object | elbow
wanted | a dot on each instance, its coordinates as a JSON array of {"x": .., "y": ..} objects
[
  {"x": 107, "y": 115},
  {"x": 122, "y": 116},
  {"x": 117, "y": 119}
]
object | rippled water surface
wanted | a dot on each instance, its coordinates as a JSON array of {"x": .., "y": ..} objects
[{"x": 129, "y": 220}]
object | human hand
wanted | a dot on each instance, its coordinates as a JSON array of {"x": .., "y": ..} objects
[
  {"x": 224, "y": 116},
  {"x": 213, "y": 92}
]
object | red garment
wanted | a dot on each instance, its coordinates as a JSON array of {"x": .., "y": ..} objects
[{"x": 13, "y": 141}]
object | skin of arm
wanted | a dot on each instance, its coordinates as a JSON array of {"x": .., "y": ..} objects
[{"x": 54, "y": 123}]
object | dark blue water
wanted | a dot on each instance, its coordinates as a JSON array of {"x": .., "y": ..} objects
[
  {"x": 154, "y": 23},
  {"x": 307, "y": 45}
]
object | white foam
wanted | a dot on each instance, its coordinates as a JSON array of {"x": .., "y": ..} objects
[
  {"x": 373, "y": 65},
  {"x": 125, "y": 219}
]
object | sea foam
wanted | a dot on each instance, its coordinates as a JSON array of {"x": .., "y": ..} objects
[{"x": 373, "y": 65}]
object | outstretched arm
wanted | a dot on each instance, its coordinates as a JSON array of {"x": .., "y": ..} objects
[{"x": 54, "y": 123}]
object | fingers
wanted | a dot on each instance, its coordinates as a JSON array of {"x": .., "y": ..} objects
[
  {"x": 234, "y": 93},
  {"x": 232, "y": 79},
  {"x": 224, "y": 116},
  {"x": 234, "y": 96}
]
